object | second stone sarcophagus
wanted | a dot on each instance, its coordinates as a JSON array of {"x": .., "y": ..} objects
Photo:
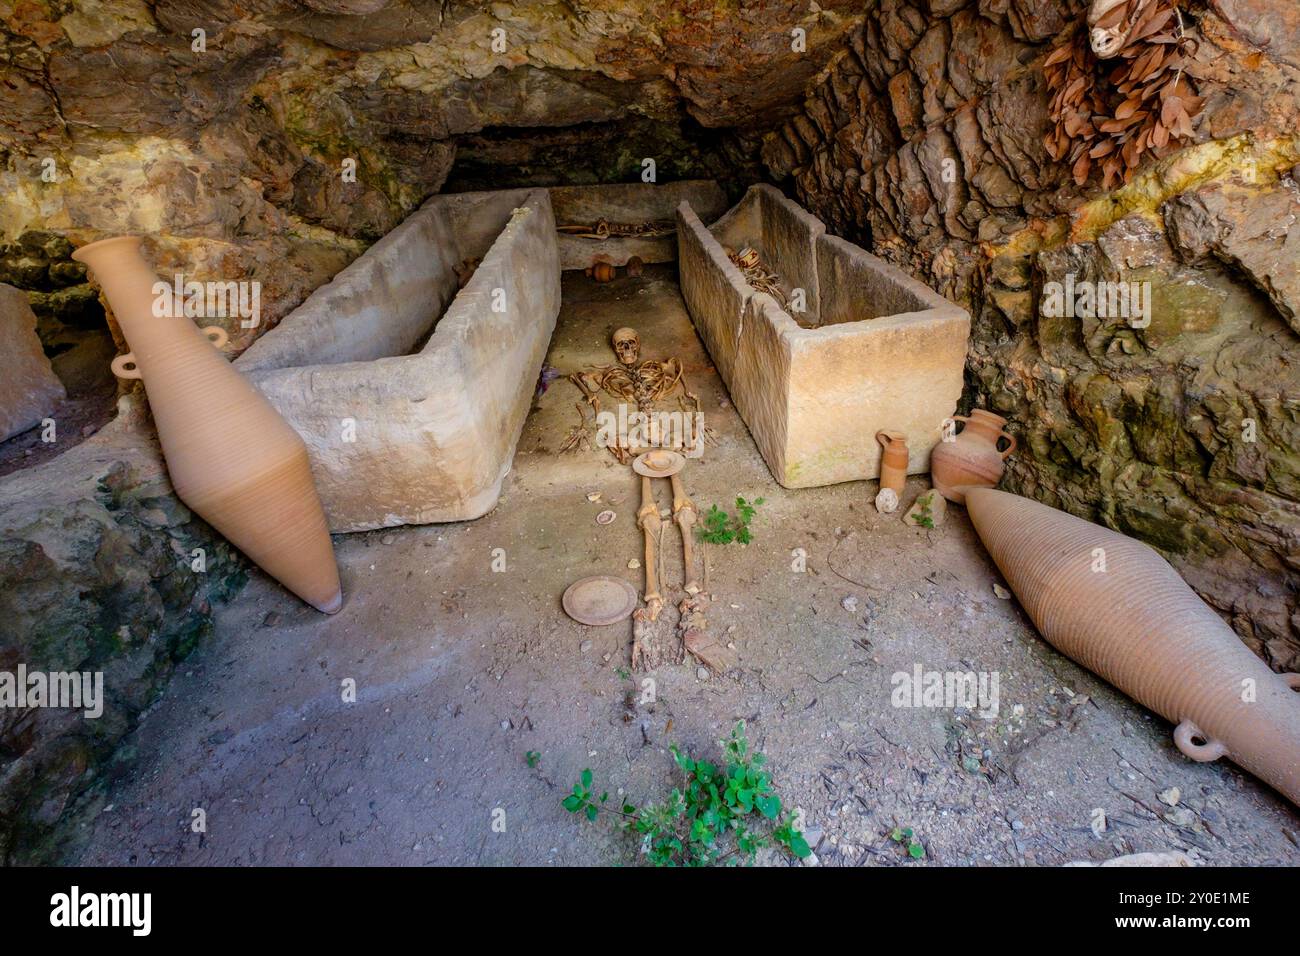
[{"x": 872, "y": 349}]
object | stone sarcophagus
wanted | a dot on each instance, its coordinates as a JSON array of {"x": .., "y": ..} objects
[
  {"x": 872, "y": 349},
  {"x": 409, "y": 389}
]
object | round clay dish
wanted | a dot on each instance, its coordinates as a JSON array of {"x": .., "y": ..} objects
[
  {"x": 658, "y": 463},
  {"x": 599, "y": 600}
]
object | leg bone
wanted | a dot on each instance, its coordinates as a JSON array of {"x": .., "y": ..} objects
[
  {"x": 647, "y": 519},
  {"x": 685, "y": 513}
]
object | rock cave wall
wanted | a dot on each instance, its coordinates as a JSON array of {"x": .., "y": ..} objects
[{"x": 1186, "y": 433}]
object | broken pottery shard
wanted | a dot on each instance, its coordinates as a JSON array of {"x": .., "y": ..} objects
[
  {"x": 702, "y": 644},
  {"x": 29, "y": 389}
]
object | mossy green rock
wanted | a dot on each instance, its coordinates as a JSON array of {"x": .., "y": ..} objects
[{"x": 97, "y": 574}]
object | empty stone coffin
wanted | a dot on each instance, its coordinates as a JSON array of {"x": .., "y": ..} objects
[
  {"x": 410, "y": 391},
  {"x": 629, "y": 204},
  {"x": 873, "y": 348}
]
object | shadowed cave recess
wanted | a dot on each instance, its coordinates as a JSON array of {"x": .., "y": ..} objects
[{"x": 278, "y": 140}]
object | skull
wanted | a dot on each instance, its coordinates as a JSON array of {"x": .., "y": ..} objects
[
  {"x": 627, "y": 346},
  {"x": 1106, "y": 41}
]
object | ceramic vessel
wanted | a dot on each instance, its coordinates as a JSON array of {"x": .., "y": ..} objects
[
  {"x": 599, "y": 600},
  {"x": 1115, "y": 606},
  {"x": 893, "y": 460},
  {"x": 972, "y": 457},
  {"x": 231, "y": 457},
  {"x": 659, "y": 463}
]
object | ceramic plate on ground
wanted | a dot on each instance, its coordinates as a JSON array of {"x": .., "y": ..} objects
[
  {"x": 658, "y": 463},
  {"x": 599, "y": 600}
]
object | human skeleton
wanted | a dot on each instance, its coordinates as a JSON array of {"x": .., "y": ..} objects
[
  {"x": 757, "y": 274},
  {"x": 632, "y": 381}
]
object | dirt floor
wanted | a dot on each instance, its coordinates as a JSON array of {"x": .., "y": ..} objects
[{"x": 461, "y": 671}]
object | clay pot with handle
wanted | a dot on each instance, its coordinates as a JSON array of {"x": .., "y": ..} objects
[
  {"x": 1116, "y": 607},
  {"x": 232, "y": 458},
  {"x": 972, "y": 457},
  {"x": 893, "y": 469},
  {"x": 893, "y": 460}
]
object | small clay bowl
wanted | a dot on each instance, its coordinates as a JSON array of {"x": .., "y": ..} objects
[
  {"x": 599, "y": 600},
  {"x": 659, "y": 463}
]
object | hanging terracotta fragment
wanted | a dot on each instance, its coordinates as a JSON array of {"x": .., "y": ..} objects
[
  {"x": 1120, "y": 88},
  {"x": 971, "y": 457},
  {"x": 231, "y": 457},
  {"x": 1116, "y": 607}
]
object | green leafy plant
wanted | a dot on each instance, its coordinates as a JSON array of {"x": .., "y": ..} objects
[
  {"x": 719, "y": 815},
  {"x": 720, "y": 528},
  {"x": 925, "y": 517},
  {"x": 715, "y": 528},
  {"x": 910, "y": 845}
]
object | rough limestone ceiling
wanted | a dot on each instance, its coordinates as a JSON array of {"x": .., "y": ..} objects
[{"x": 227, "y": 148}]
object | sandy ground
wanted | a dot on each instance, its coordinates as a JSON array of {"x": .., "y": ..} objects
[{"x": 460, "y": 671}]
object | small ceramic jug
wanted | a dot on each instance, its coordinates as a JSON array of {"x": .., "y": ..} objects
[
  {"x": 971, "y": 457},
  {"x": 893, "y": 460}
]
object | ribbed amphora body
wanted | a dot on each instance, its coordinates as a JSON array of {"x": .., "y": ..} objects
[
  {"x": 1115, "y": 606},
  {"x": 231, "y": 457}
]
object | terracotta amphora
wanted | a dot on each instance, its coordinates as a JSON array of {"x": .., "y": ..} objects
[
  {"x": 893, "y": 460},
  {"x": 972, "y": 457},
  {"x": 231, "y": 457},
  {"x": 1115, "y": 606}
]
